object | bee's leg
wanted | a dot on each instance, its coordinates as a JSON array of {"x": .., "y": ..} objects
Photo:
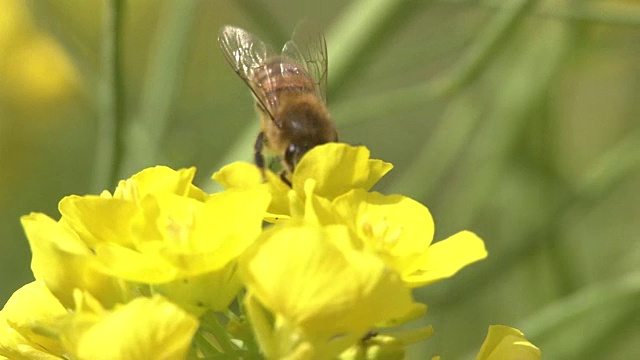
[
  {"x": 288, "y": 163},
  {"x": 283, "y": 177},
  {"x": 369, "y": 335},
  {"x": 258, "y": 158}
]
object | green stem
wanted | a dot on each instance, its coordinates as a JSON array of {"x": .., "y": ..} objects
[
  {"x": 110, "y": 100},
  {"x": 204, "y": 346},
  {"x": 210, "y": 323},
  {"x": 150, "y": 123}
]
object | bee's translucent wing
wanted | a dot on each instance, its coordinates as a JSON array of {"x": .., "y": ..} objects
[
  {"x": 247, "y": 55},
  {"x": 309, "y": 48}
]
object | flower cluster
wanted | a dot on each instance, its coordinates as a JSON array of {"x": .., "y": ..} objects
[{"x": 159, "y": 269}]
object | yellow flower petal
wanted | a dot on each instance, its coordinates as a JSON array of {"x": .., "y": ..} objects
[
  {"x": 97, "y": 219},
  {"x": 14, "y": 346},
  {"x": 229, "y": 223},
  {"x": 241, "y": 175},
  {"x": 276, "y": 337},
  {"x": 28, "y": 309},
  {"x": 311, "y": 207},
  {"x": 311, "y": 278},
  {"x": 145, "y": 328},
  {"x": 417, "y": 311},
  {"x": 210, "y": 291},
  {"x": 394, "y": 227},
  {"x": 159, "y": 179},
  {"x": 35, "y": 69},
  {"x": 445, "y": 258},
  {"x": 64, "y": 262},
  {"x": 238, "y": 175},
  {"x": 186, "y": 248},
  {"x": 131, "y": 265},
  {"x": 506, "y": 343},
  {"x": 338, "y": 168}
]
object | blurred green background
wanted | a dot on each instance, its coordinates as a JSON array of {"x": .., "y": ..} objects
[{"x": 516, "y": 119}]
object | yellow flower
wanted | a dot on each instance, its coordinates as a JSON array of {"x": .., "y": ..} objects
[
  {"x": 34, "y": 67},
  {"x": 145, "y": 328},
  {"x": 327, "y": 281},
  {"x": 110, "y": 218},
  {"x": 311, "y": 294},
  {"x": 505, "y": 343},
  {"x": 35, "y": 325},
  {"x": 62, "y": 261},
  {"x": 22, "y": 320},
  {"x": 241, "y": 175},
  {"x": 338, "y": 168},
  {"x": 335, "y": 167},
  {"x": 331, "y": 185},
  {"x": 159, "y": 229},
  {"x": 400, "y": 230}
]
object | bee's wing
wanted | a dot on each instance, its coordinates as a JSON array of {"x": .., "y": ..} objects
[
  {"x": 247, "y": 55},
  {"x": 309, "y": 48}
]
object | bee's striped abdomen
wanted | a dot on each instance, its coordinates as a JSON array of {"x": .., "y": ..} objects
[{"x": 279, "y": 75}]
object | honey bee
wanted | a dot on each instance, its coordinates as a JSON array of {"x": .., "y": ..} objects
[{"x": 290, "y": 91}]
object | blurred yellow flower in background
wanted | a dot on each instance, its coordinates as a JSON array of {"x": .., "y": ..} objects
[
  {"x": 34, "y": 68},
  {"x": 15, "y": 23},
  {"x": 39, "y": 84}
]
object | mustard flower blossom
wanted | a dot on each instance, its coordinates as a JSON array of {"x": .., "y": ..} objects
[
  {"x": 144, "y": 328},
  {"x": 311, "y": 294},
  {"x": 35, "y": 325},
  {"x": 154, "y": 266},
  {"x": 336, "y": 168},
  {"x": 331, "y": 186},
  {"x": 159, "y": 229}
]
